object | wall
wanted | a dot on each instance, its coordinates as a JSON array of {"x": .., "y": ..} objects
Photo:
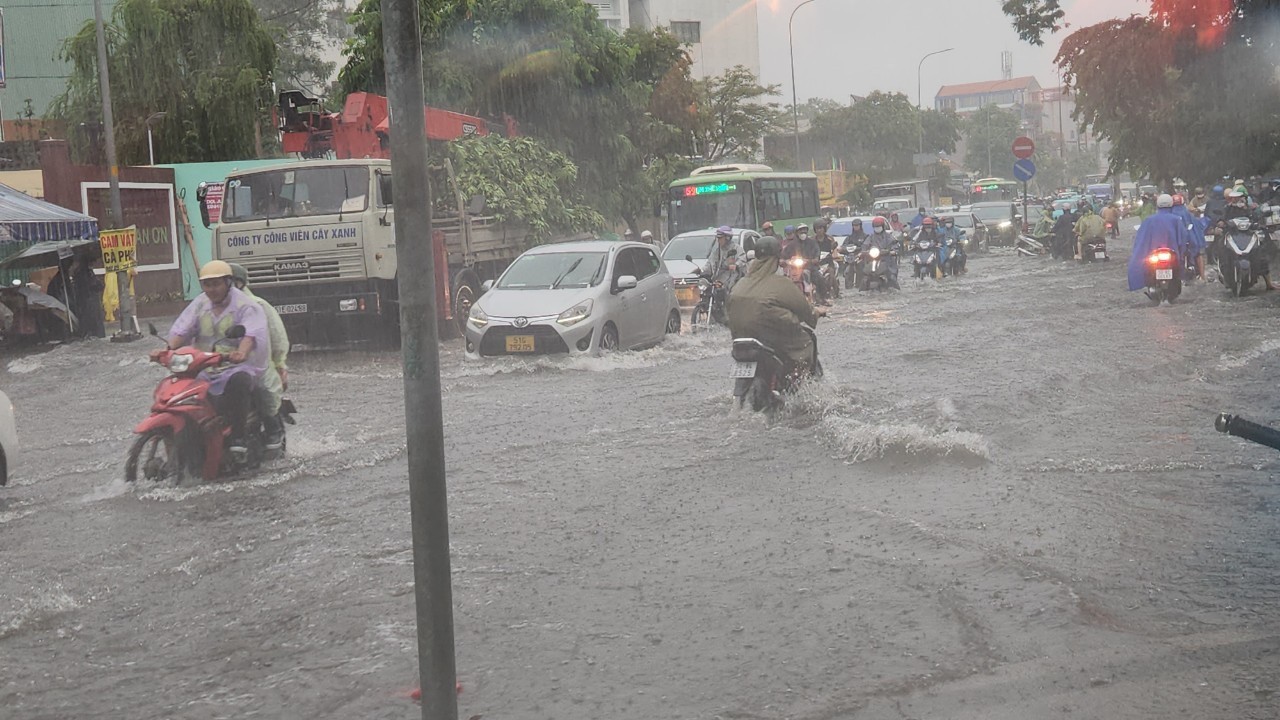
[{"x": 729, "y": 28}]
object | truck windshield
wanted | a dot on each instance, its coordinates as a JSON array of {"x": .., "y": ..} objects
[
  {"x": 540, "y": 271},
  {"x": 706, "y": 206},
  {"x": 299, "y": 192}
]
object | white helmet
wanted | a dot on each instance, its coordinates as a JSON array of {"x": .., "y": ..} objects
[{"x": 1164, "y": 201}]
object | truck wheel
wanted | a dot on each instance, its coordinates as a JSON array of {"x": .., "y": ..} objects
[{"x": 466, "y": 289}]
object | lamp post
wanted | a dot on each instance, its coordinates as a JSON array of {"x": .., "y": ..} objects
[
  {"x": 919, "y": 92},
  {"x": 795, "y": 108},
  {"x": 151, "y": 150}
]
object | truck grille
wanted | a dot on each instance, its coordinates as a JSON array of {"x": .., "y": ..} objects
[{"x": 304, "y": 267}]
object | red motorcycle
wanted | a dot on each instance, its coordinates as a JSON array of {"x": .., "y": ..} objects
[{"x": 184, "y": 433}]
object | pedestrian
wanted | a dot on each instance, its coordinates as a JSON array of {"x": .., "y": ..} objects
[
  {"x": 647, "y": 238},
  {"x": 76, "y": 285}
]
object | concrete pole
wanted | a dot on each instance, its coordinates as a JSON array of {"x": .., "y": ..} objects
[
  {"x": 123, "y": 291},
  {"x": 419, "y": 335}
]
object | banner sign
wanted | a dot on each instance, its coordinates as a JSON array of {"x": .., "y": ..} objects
[{"x": 119, "y": 249}]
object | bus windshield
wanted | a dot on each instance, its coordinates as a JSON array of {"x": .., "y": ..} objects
[
  {"x": 698, "y": 207},
  {"x": 296, "y": 192}
]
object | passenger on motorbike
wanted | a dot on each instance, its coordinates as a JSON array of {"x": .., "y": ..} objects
[
  {"x": 1161, "y": 229},
  {"x": 769, "y": 307},
  {"x": 208, "y": 319},
  {"x": 883, "y": 240},
  {"x": 1196, "y": 230},
  {"x": 276, "y": 379},
  {"x": 1088, "y": 227}
]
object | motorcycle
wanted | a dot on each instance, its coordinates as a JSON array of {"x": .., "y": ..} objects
[
  {"x": 1163, "y": 280},
  {"x": 760, "y": 375},
  {"x": 924, "y": 259},
  {"x": 829, "y": 268},
  {"x": 1240, "y": 256},
  {"x": 949, "y": 258},
  {"x": 877, "y": 268},
  {"x": 797, "y": 269},
  {"x": 184, "y": 433},
  {"x": 1113, "y": 231},
  {"x": 712, "y": 303},
  {"x": 1030, "y": 246},
  {"x": 1093, "y": 250}
]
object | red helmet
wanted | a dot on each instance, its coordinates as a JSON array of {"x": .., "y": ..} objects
[
  {"x": 927, "y": 222},
  {"x": 878, "y": 222},
  {"x": 1178, "y": 199}
]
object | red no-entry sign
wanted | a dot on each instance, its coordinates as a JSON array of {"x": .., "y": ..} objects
[{"x": 1023, "y": 147}]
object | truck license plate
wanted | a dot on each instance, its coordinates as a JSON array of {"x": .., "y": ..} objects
[
  {"x": 294, "y": 309},
  {"x": 520, "y": 344},
  {"x": 1166, "y": 274},
  {"x": 743, "y": 370}
]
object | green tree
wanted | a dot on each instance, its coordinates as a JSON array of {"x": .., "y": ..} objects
[
  {"x": 733, "y": 116},
  {"x": 876, "y": 134},
  {"x": 941, "y": 130},
  {"x": 521, "y": 180},
  {"x": 303, "y": 29},
  {"x": 988, "y": 135},
  {"x": 207, "y": 64}
]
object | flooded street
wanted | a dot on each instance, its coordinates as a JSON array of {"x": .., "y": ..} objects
[{"x": 1005, "y": 500}]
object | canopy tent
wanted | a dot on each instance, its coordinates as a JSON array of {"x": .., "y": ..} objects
[{"x": 31, "y": 229}]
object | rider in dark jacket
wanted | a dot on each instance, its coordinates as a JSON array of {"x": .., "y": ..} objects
[{"x": 769, "y": 307}]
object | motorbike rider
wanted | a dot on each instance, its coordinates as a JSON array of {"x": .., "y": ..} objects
[
  {"x": 1198, "y": 201},
  {"x": 918, "y": 220},
  {"x": 949, "y": 231},
  {"x": 1044, "y": 226},
  {"x": 1161, "y": 229},
  {"x": 1064, "y": 233},
  {"x": 789, "y": 240},
  {"x": 807, "y": 248},
  {"x": 1111, "y": 216},
  {"x": 826, "y": 244},
  {"x": 1196, "y": 229},
  {"x": 722, "y": 265},
  {"x": 1089, "y": 227},
  {"x": 1238, "y": 206},
  {"x": 769, "y": 307},
  {"x": 881, "y": 238},
  {"x": 208, "y": 319},
  {"x": 766, "y": 230},
  {"x": 276, "y": 379}
]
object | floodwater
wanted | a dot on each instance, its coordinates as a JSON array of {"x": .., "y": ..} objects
[{"x": 1006, "y": 500}]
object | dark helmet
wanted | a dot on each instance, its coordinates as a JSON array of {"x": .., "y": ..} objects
[
  {"x": 821, "y": 223},
  {"x": 768, "y": 246}
]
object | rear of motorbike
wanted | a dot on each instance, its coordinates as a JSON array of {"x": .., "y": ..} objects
[
  {"x": 1163, "y": 281},
  {"x": 1094, "y": 250},
  {"x": 757, "y": 375},
  {"x": 1239, "y": 267}
]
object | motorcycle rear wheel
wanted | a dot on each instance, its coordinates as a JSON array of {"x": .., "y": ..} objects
[{"x": 155, "y": 455}]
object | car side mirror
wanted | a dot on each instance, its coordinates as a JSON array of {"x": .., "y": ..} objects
[
  {"x": 486, "y": 286},
  {"x": 688, "y": 258},
  {"x": 235, "y": 332},
  {"x": 627, "y": 282}
]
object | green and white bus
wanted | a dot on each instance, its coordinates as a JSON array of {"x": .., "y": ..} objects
[{"x": 741, "y": 196}]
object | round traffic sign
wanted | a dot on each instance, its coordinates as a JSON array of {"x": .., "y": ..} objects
[
  {"x": 1024, "y": 170},
  {"x": 1023, "y": 147}
]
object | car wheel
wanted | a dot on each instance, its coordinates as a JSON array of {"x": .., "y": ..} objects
[
  {"x": 673, "y": 322},
  {"x": 609, "y": 338},
  {"x": 466, "y": 288}
]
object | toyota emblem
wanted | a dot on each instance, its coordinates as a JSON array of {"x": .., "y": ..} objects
[{"x": 521, "y": 322}]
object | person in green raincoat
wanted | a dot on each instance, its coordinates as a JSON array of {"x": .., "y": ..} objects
[
  {"x": 770, "y": 308},
  {"x": 276, "y": 379}
]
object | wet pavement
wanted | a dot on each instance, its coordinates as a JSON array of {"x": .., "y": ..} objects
[{"x": 1006, "y": 500}]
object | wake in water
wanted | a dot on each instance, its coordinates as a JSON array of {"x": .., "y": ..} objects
[{"x": 676, "y": 348}]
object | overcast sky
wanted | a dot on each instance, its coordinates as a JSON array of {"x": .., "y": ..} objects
[{"x": 845, "y": 47}]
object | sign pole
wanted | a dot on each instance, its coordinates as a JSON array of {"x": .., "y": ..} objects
[
  {"x": 419, "y": 337},
  {"x": 128, "y": 326}
]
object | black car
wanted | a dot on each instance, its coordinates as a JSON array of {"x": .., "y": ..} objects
[{"x": 1002, "y": 220}]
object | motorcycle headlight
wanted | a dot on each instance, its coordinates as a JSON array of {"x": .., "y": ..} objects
[
  {"x": 797, "y": 262},
  {"x": 576, "y": 314},
  {"x": 180, "y": 363},
  {"x": 477, "y": 317},
  {"x": 875, "y": 253}
]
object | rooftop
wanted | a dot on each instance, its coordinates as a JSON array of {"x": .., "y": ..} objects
[{"x": 979, "y": 88}]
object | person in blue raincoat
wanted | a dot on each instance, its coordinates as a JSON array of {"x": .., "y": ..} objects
[
  {"x": 1196, "y": 228},
  {"x": 1161, "y": 229}
]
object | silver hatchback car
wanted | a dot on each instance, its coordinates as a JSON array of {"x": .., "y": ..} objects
[{"x": 575, "y": 297}]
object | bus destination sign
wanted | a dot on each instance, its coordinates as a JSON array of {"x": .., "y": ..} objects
[{"x": 719, "y": 188}]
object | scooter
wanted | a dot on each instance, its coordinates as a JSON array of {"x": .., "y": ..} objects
[
  {"x": 1240, "y": 256},
  {"x": 829, "y": 268},
  {"x": 924, "y": 259},
  {"x": 1113, "y": 230},
  {"x": 949, "y": 258},
  {"x": 184, "y": 433},
  {"x": 760, "y": 376},
  {"x": 1093, "y": 250},
  {"x": 878, "y": 269},
  {"x": 1163, "y": 280},
  {"x": 797, "y": 269},
  {"x": 712, "y": 304}
]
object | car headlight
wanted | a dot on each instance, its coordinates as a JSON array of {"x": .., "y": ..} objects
[
  {"x": 576, "y": 314},
  {"x": 874, "y": 253},
  {"x": 180, "y": 363},
  {"x": 1006, "y": 224},
  {"x": 477, "y": 317}
]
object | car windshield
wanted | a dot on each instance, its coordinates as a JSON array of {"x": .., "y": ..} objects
[
  {"x": 540, "y": 271},
  {"x": 296, "y": 193},
  {"x": 989, "y": 215},
  {"x": 698, "y": 246},
  {"x": 962, "y": 221}
]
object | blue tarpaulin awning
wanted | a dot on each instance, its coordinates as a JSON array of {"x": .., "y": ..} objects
[{"x": 32, "y": 229}]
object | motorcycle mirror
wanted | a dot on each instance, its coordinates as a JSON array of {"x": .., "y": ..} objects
[
  {"x": 236, "y": 332},
  {"x": 151, "y": 330}
]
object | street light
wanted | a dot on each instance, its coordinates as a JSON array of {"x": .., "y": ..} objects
[
  {"x": 795, "y": 109},
  {"x": 919, "y": 93},
  {"x": 151, "y": 151}
]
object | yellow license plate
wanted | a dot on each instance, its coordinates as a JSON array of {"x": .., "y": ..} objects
[
  {"x": 686, "y": 295},
  {"x": 520, "y": 344}
]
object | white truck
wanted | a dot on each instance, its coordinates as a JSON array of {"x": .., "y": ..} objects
[{"x": 317, "y": 240}]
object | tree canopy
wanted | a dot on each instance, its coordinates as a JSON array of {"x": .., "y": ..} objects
[
  {"x": 732, "y": 117},
  {"x": 989, "y": 133},
  {"x": 879, "y": 134},
  {"x": 206, "y": 64},
  {"x": 302, "y": 30}
]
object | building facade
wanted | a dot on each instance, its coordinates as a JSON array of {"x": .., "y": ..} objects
[
  {"x": 34, "y": 33},
  {"x": 1022, "y": 95},
  {"x": 720, "y": 34}
]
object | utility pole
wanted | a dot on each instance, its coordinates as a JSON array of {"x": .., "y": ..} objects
[
  {"x": 420, "y": 342},
  {"x": 795, "y": 107},
  {"x": 128, "y": 329},
  {"x": 919, "y": 99}
]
